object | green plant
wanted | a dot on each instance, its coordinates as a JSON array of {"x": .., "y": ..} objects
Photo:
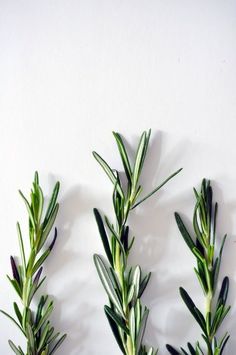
[
  {"x": 34, "y": 323},
  {"x": 203, "y": 247},
  {"x": 124, "y": 285}
]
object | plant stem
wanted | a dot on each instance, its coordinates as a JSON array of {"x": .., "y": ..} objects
[
  {"x": 119, "y": 269},
  {"x": 35, "y": 324},
  {"x": 202, "y": 245},
  {"x": 124, "y": 284},
  {"x": 130, "y": 350},
  {"x": 209, "y": 299}
]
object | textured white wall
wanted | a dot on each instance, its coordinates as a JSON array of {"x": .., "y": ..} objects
[{"x": 70, "y": 73}]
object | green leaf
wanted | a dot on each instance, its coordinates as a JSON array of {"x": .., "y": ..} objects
[
  {"x": 51, "y": 337},
  {"x": 36, "y": 289},
  {"x": 200, "y": 235},
  {"x": 198, "y": 255},
  {"x": 148, "y": 135},
  {"x": 48, "y": 226},
  {"x": 17, "y": 312},
  {"x": 130, "y": 294},
  {"x": 109, "y": 172},
  {"x": 103, "y": 235},
  {"x": 207, "y": 276},
  {"x": 193, "y": 309},
  {"x": 30, "y": 262},
  {"x": 138, "y": 161},
  {"x": 132, "y": 325},
  {"x": 216, "y": 319},
  {"x": 219, "y": 317},
  {"x": 136, "y": 280},
  {"x": 183, "y": 230},
  {"x": 52, "y": 203},
  {"x": 13, "y": 320},
  {"x": 21, "y": 244},
  {"x": 40, "y": 261},
  {"x": 124, "y": 155},
  {"x": 36, "y": 178},
  {"x": 117, "y": 319},
  {"x": 151, "y": 351},
  {"x": 138, "y": 311},
  {"x": 31, "y": 217},
  {"x": 15, "y": 286},
  {"x": 41, "y": 203},
  {"x": 30, "y": 338},
  {"x": 142, "y": 328},
  {"x": 107, "y": 283},
  {"x": 157, "y": 188},
  {"x": 26, "y": 316},
  {"x": 208, "y": 322},
  {"x": 44, "y": 318},
  {"x": 223, "y": 292},
  {"x": 218, "y": 261},
  {"x": 202, "y": 281},
  {"x": 143, "y": 284},
  {"x": 115, "y": 282},
  {"x": 114, "y": 233},
  {"x": 41, "y": 304},
  {"x": 116, "y": 332},
  {"x": 43, "y": 336}
]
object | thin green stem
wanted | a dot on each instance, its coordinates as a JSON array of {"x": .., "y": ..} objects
[{"x": 119, "y": 268}]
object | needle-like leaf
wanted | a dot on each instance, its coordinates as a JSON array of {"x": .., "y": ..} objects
[
  {"x": 109, "y": 172},
  {"x": 107, "y": 283},
  {"x": 157, "y": 188},
  {"x": 103, "y": 235}
]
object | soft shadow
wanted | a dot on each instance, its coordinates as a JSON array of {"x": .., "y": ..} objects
[
  {"x": 61, "y": 269},
  {"x": 151, "y": 223}
]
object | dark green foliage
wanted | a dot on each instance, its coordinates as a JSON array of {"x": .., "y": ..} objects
[
  {"x": 203, "y": 247},
  {"x": 26, "y": 280},
  {"x": 124, "y": 285}
]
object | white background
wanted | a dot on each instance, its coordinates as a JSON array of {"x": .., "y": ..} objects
[{"x": 70, "y": 73}]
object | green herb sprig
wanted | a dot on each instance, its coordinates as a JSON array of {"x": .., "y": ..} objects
[
  {"x": 34, "y": 323},
  {"x": 203, "y": 247},
  {"x": 124, "y": 285}
]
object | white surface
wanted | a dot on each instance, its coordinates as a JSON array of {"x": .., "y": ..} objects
[{"x": 70, "y": 73}]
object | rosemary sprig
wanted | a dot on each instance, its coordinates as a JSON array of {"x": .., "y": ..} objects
[
  {"x": 124, "y": 285},
  {"x": 203, "y": 247},
  {"x": 34, "y": 324}
]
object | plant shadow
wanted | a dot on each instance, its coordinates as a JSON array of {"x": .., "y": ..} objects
[{"x": 71, "y": 311}]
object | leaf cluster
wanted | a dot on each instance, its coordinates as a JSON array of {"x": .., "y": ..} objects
[
  {"x": 27, "y": 276},
  {"x": 203, "y": 247},
  {"x": 124, "y": 285}
]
